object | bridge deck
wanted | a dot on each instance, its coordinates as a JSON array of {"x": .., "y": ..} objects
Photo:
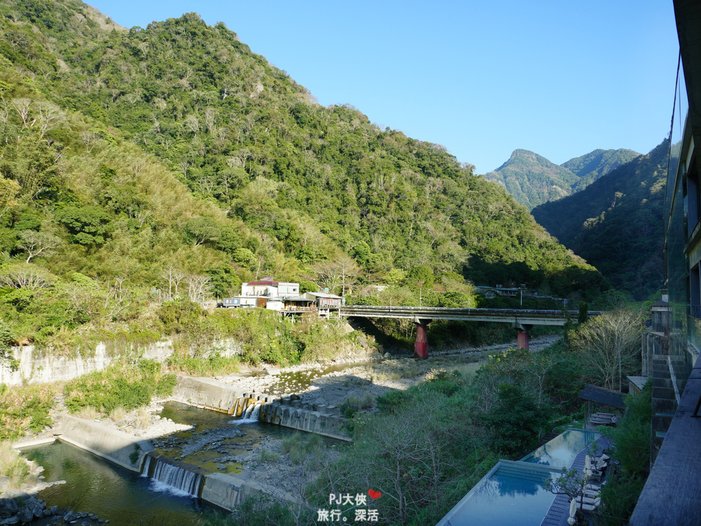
[{"x": 513, "y": 316}]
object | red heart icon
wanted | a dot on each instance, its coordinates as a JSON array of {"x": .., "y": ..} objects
[{"x": 374, "y": 494}]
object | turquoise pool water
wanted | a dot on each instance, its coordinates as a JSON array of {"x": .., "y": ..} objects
[
  {"x": 512, "y": 493},
  {"x": 562, "y": 450}
]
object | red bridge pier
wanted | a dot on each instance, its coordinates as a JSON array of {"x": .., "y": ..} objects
[
  {"x": 421, "y": 343},
  {"x": 522, "y": 336}
]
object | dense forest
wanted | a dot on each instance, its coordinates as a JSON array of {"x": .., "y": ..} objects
[
  {"x": 142, "y": 166},
  {"x": 533, "y": 180},
  {"x": 616, "y": 222}
]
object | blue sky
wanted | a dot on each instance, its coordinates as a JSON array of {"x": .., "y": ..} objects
[{"x": 480, "y": 77}]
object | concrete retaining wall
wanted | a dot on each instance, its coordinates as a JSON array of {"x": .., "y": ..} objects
[
  {"x": 228, "y": 491},
  {"x": 209, "y": 394},
  {"x": 293, "y": 415},
  {"x": 37, "y": 367},
  {"x": 34, "y": 367},
  {"x": 104, "y": 441}
]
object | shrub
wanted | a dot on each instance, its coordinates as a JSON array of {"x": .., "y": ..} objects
[
  {"x": 15, "y": 470},
  {"x": 300, "y": 446},
  {"x": 126, "y": 386},
  {"x": 212, "y": 365},
  {"x": 353, "y": 404},
  {"x": 24, "y": 409}
]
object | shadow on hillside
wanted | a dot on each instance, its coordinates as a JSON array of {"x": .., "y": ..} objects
[{"x": 570, "y": 282}]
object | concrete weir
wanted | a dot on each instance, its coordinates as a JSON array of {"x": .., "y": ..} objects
[
  {"x": 224, "y": 491},
  {"x": 104, "y": 441},
  {"x": 208, "y": 394}
]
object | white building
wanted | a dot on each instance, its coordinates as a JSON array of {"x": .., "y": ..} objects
[{"x": 269, "y": 288}]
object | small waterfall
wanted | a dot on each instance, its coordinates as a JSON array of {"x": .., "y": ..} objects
[
  {"x": 145, "y": 466},
  {"x": 250, "y": 416},
  {"x": 172, "y": 478}
]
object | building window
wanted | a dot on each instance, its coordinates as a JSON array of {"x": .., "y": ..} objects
[
  {"x": 695, "y": 291},
  {"x": 693, "y": 199}
]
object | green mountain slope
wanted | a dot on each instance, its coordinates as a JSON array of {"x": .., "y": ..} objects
[
  {"x": 531, "y": 179},
  {"x": 136, "y": 156},
  {"x": 593, "y": 165},
  {"x": 616, "y": 222}
]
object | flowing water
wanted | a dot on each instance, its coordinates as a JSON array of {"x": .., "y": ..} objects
[
  {"x": 166, "y": 475},
  {"x": 172, "y": 475},
  {"x": 126, "y": 499}
]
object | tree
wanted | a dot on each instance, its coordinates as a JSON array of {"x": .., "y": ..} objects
[
  {"x": 570, "y": 483},
  {"x": 337, "y": 273},
  {"x": 6, "y": 341},
  {"x": 25, "y": 276},
  {"x": 174, "y": 277},
  {"x": 35, "y": 243},
  {"x": 222, "y": 281},
  {"x": 422, "y": 278},
  {"x": 200, "y": 230},
  {"x": 609, "y": 346},
  {"x": 8, "y": 191},
  {"x": 197, "y": 288},
  {"x": 515, "y": 420},
  {"x": 89, "y": 225},
  {"x": 245, "y": 257}
]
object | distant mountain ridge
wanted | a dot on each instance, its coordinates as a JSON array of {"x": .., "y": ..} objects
[
  {"x": 533, "y": 180},
  {"x": 615, "y": 223},
  {"x": 594, "y": 165}
]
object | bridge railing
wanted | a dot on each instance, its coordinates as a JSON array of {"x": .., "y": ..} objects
[{"x": 530, "y": 316}]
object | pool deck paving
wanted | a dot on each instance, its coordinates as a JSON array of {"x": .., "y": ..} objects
[{"x": 560, "y": 508}]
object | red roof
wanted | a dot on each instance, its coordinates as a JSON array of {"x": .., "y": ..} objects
[{"x": 263, "y": 282}]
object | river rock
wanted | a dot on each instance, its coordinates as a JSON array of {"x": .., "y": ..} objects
[
  {"x": 8, "y": 507},
  {"x": 35, "y": 506}
]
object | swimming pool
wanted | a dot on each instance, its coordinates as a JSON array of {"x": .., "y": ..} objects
[
  {"x": 511, "y": 493},
  {"x": 562, "y": 450},
  {"x": 514, "y": 492}
]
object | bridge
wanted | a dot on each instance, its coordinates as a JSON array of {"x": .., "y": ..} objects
[{"x": 521, "y": 319}]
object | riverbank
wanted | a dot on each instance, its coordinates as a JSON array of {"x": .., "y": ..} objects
[
  {"x": 333, "y": 384},
  {"x": 279, "y": 464}
]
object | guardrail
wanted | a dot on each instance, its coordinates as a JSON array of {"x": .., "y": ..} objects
[{"x": 515, "y": 316}]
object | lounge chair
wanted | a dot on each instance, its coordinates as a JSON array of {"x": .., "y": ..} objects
[
  {"x": 588, "y": 504},
  {"x": 591, "y": 493}
]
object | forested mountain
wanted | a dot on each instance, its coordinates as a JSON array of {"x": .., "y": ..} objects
[
  {"x": 533, "y": 180},
  {"x": 616, "y": 222},
  {"x": 596, "y": 164},
  {"x": 138, "y": 164}
]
